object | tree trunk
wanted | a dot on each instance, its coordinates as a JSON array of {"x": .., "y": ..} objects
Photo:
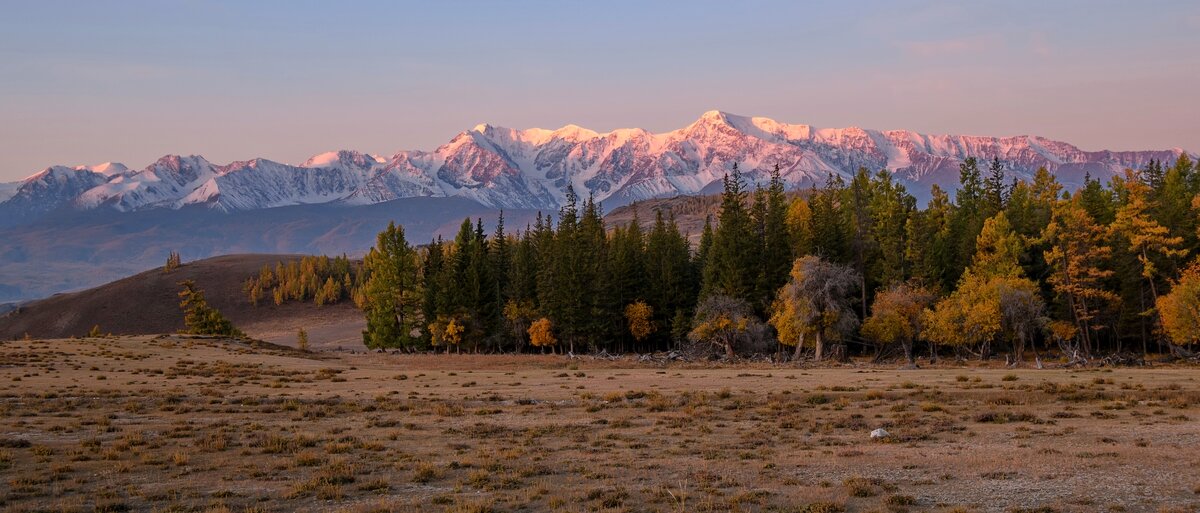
[
  {"x": 908, "y": 352},
  {"x": 799, "y": 347},
  {"x": 820, "y": 347}
]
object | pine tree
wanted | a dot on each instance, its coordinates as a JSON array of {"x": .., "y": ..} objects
[
  {"x": 1099, "y": 202},
  {"x": 433, "y": 281},
  {"x": 890, "y": 210},
  {"x": 827, "y": 224},
  {"x": 968, "y": 216}
]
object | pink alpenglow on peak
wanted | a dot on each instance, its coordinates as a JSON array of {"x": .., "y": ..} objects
[{"x": 533, "y": 168}]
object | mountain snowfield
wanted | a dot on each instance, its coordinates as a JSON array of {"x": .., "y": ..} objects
[{"x": 531, "y": 169}]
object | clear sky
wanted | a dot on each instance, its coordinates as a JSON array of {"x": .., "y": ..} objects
[{"x": 83, "y": 82}]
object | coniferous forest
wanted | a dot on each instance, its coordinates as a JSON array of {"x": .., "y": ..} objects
[{"x": 1001, "y": 268}]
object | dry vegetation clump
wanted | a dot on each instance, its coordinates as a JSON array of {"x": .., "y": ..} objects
[{"x": 184, "y": 424}]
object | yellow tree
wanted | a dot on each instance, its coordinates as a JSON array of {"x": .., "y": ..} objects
[
  {"x": 970, "y": 317},
  {"x": 991, "y": 298},
  {"x": 723, "y": 321},
  {"x": 1150, "y": 242},
  {"x": 447, "y": 331},
  {"x": 896, "y": 317},
  {"x": 1180, "y": 309},
  {"x": 541, "y": 333},
  {"x": 998, "y": 249},
  {"x": 520, "y": 315},
  {"x": 1076, "y": 249},
  {"x": 815, "y": 300},
  {"x": 641, "y": 320}
]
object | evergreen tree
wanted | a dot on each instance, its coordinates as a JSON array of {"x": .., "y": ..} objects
[
  {"x": 777, "y": 246},
  {"x": 433, "y": 280},
  {"x": 199, "y": 318},
  {"x": 827, "y": 222},
  {"x": 670, "y": 287},
  {"x": 392, "y": 292},
  {"x": 968, "y": 216},
  {"x": 995, "y": 193},
  {"x": 929, "y": 246},
  {"x": 1155, "y": 249},
  {"x": 732, "y": 266},
  {"x": 1099, "y": 202}
]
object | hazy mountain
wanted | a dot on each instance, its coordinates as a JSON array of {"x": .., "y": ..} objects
[{"x": 70, "y": 250}]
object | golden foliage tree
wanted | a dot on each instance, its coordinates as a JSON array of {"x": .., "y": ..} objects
[
  {"x": 519, "y": 314},
  {"x": 816, "y": 301},
  {"x": 896, "y": 316},
  {"x": 640, "y": 317},
  {"x": 1147, "y": 240},
  {"x": 723, "y": 321},
  {"x": 447, "y": 331},
  {"x": 993, "y": 298},
  {"x": 541, "y": 333},
  {"x": 1077, "y": 248},
  {"x": 1180, "y": 309}
]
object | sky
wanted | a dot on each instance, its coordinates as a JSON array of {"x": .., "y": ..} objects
[{"x": 130, "y": 81}]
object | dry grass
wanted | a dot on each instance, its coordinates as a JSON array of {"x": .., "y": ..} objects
[{"x": 180, "y": 424}]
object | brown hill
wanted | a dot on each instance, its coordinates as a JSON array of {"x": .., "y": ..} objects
[{"x": 147, "y": 303}]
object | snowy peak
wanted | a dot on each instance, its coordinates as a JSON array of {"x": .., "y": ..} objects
[{"x": 532, "y": 168}]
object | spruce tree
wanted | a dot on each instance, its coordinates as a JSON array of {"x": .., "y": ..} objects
[
  {"x": 777, "y": 252},
  {"x": 732, "y": 267}
]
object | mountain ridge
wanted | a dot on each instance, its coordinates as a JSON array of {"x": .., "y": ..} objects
[{"x": 532, "y": 168}]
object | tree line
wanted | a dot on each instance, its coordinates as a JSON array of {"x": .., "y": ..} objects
[
  {"x": 848, "y": 267},
  {"x": 320, "y": 279}
]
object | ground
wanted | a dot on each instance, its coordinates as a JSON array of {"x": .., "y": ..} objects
[{"x": 172, "y": 423}]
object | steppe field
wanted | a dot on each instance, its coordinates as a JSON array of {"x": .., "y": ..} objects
[{"x": 173, "y": 423}]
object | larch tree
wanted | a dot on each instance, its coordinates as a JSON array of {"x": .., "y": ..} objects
[
  {"x": 640, "y": 319},
  {"x": 1077, "y": 250},
  {"x": 201, "y": 319},
  {"x": 392, "y": 293},
  {"x": 1180, "y": 309},
  {"x": 1155, "y": 249}
]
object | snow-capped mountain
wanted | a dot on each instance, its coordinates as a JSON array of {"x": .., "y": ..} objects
[{"x": 531, "y": 169}]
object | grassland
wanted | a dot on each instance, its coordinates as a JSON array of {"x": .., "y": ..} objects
[{"x": 182, "y": 424}]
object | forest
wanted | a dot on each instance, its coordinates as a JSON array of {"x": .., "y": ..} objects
[{"x": 1005, "y": 267}]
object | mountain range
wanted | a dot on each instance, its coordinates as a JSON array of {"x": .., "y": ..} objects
[
  {"x": 531, "y": 169},
  {"x": 67, "y": 228}
]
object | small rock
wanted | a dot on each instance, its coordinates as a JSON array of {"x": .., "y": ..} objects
[{"x": 880, "y": 433}]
